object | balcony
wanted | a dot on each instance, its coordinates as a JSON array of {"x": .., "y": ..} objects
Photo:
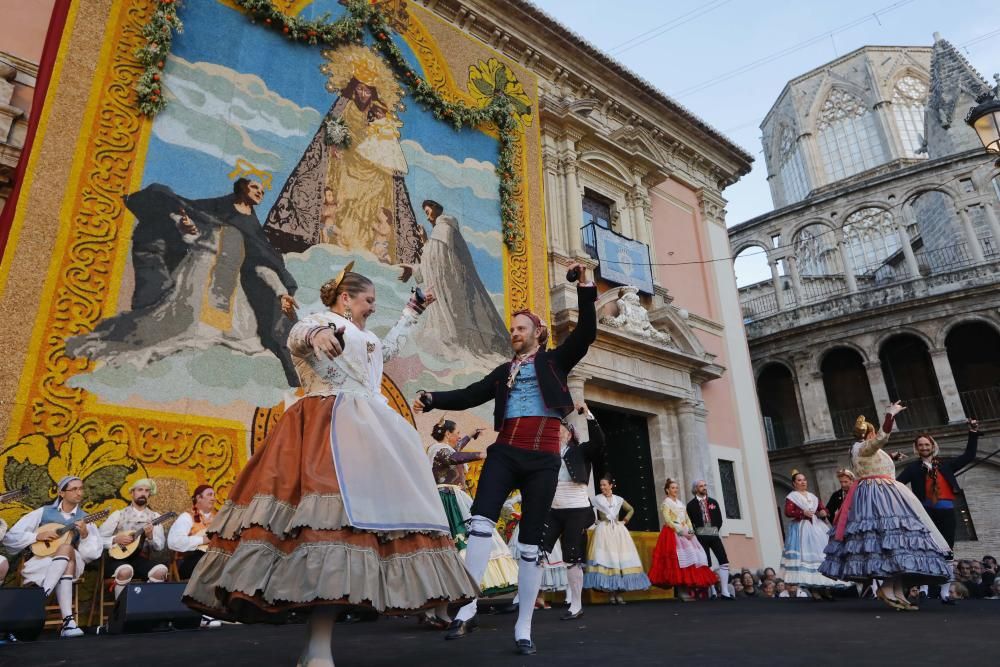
[{"x": 621, "y": 260}]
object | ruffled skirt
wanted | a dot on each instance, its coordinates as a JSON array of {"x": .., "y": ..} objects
[
  {"x": 803, "y": 554},
  {"x": 680, "y": 562},
  {"x": 282, "y": 541},
  {"x": 885, "y": 537},
  {"x": 613, "y": 561},
  {"x": 553, "y": 569}
]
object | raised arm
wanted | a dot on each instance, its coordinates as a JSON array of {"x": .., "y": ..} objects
[
  {"x": 971, "y": 446},
  {"x": 593, "y": 449},
  {"x": 869, "y": 447},
  {"x": 574, "y": 348},
  {"x": 475, "y": 394}
]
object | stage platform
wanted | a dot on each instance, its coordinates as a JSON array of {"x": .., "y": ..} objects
[{"x": 802, "y": 633}]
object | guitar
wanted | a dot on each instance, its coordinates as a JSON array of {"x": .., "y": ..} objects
[
  {"x": 123, "y": 551},
  {"x": 65, "y": 534},
  {"x": 15, "y": 494}
]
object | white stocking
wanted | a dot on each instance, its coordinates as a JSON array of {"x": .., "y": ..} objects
[
  {"x": 319, "y": 650},
  {"x": 477, "y": 556},
  {"x": 158, "y": 574},
  {"x": 54, "y": 572},
  {"x": 64, "y": 596},
  {"x": 123, "y": 575},
  {"x": 724, "y": 580},
  {"x": 529, "y": 580},
  {"x": 574, "y": 577}
]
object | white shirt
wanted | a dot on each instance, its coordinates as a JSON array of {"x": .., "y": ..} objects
[
  {"x": 24, "y": 534},
  {"x": 180, "y": 538},
  {"x": 569, "y": 494},
  {"x": 132, "y": 518}
]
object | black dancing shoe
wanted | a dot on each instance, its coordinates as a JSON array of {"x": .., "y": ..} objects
[
  {"x": 460, "y": 629},
  {"x": 570, "y": 616},
  {"x": 525, "y": 647}
]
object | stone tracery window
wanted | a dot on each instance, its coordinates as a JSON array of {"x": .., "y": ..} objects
[
  {"x": 791, "y": 169},
  {"x": 848, "y": 136},
  {"x": 816, "y": 251},
  {"x": 871, "y": 239},
  {"x": 909, "y": 100}
]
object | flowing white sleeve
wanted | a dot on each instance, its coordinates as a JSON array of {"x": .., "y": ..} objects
[
  {"x": 22, "y": 533},
  {"x": 395, "y": 340},
  {"x": 92, "y": 547},
  {"x": 179, "y": 538},
  {"x": 3, "y": 529},
  {"x": 298, "y": 337},
  {"x": 109, "y": 528}
]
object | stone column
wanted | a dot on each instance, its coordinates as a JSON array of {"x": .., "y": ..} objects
[
  {"x": 904, "y": 242},
  {"x": 994, "y": 220},
  {"x": 845, "y": 258},
  {"x": 793, "y": 270},
  {"x": 574, "y": 199},
  {"x": 694, "y": 443},
  {"x": 877, "y": 383},
  {"x": 779, "y": 294},
  {"x": 815, "y": 415},
  {"x": 975, "y": 248},
  {"x": 946, "y": 383}
]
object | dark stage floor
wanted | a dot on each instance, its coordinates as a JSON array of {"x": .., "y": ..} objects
[{"x": 745, "y": 632}]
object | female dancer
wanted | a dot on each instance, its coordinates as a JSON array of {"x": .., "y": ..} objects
[
  {"x": 883, "y": 532},
  {"x": 613, "y": 563},
  {"x": 678, "y": 559},
  {"x": 448, "y": 465},
  {"x": 808, "y": 534},
  {"x": 338, "y": 508}
]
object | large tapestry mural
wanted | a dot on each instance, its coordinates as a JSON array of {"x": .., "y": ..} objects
[{"x": 161, "y": 348}]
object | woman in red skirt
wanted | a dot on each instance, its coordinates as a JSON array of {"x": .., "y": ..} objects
[
  {"x": 678, "y": 559},
  {"x": 338, "y": 509}
]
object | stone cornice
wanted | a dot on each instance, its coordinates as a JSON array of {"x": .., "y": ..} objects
[{"x": 570, "y": 63}]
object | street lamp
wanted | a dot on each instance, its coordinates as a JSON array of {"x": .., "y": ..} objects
[{"x": 984, "y": 118}]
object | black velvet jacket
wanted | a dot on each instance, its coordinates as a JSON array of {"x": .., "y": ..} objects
[
  {"x": 551, "y": 367},
  {"x": 714, "y": 513},
  {"x": 915, "y": 474},
  {"x": 580, "y": 458}
]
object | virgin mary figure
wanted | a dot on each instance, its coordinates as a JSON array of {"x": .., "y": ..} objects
[{"x": 364, "y": 174}]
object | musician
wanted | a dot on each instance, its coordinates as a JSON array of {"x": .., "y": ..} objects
[
  {"x": 4, "y": 565},
  {"x": 59, "y": 571},
  {"x": 187, "y": 536},
  {"x": 119, "y": 528}
]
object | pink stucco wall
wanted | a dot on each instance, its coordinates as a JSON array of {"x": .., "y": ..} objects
[{"x": 23, "y": 25}]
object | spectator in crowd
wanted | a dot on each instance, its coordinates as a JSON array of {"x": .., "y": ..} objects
[
  {"x": 995, "y": 590},
  {"x": 965, "y": 573},
  {"x": 767, "y": 575},
  {"x": 989, "y": 570},
  {"x": 737, "y": 585},
  {"x": 779, "y": 587},
  {"x": 913, "y": 595},
  {"x": 767, "y": 589},
  {"x": 959, "y": 591},
  {"x": 749, "y": 585},
  {"x": 792, "y": 590}
]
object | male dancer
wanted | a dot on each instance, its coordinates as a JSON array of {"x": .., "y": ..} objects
[
  {"x": 934, "y": 483},
  {"x": 706, "y": 517},
  {"x": 531, "y": 397}
]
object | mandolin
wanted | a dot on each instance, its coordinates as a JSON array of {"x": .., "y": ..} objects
[
  {"x": 14, "y": 495},
  {"x": 65, "y": 534},
  {"x": 123, "y": 551}
]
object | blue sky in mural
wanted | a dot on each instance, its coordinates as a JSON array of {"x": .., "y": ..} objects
[{"x": 267, "y": 102}]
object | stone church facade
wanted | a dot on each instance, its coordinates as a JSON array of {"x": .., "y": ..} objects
[{"x": 884, "y": 263}]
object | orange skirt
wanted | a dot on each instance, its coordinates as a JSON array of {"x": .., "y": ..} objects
[{"x": 282, "y": 540}]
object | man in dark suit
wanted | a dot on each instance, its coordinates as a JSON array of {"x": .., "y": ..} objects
[
  {"x": 934, "y": 483},
  {"x": 531, "y": 396},
  {"x": 706, "y": 517}
]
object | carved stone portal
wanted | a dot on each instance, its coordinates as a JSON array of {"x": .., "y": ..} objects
[{"x": 634, "y": 319}]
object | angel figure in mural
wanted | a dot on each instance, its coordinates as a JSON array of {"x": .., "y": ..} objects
[
  {"x": 468, "y": 318},
  {"x": 353, "y": 169},
  {"x": 207, "y": 276}
]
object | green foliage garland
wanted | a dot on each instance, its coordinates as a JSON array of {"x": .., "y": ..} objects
[{"x": 361, "y": 16}]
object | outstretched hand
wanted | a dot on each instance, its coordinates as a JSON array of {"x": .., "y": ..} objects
[
  {"x": 895, "y": 408},
  {"x": 325, "y": 343}
]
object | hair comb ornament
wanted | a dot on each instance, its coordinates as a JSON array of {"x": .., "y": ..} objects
[{"x": 343, "y": 272}]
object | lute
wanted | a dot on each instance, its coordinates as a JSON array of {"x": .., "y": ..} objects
[
  {"x": 123, "y": 551},
  {"x": 64, "y": 534}
]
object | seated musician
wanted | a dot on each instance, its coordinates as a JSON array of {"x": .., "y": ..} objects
[
  {"x": 120, "y": 527},
  {"x": 187, "y": 536},
  {"x": 59, "y": 571}
]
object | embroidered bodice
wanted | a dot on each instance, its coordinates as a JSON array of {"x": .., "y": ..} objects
[
  {"x": 868, "y": 458},
  {"x": 359, "y": 369},
  {"x": 675, "y": 515}
]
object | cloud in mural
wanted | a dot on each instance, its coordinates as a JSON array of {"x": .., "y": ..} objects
[
  {"x": 214, "y": 109},
  {"x": 489, "y": 241},
  {"x": 479, "y": 176}
]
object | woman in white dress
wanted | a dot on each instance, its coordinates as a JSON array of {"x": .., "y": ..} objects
[
  {"x": 338, "y": 508},
  {"x": 613, "y": 563},
  {"x": 808, "y": 534}
]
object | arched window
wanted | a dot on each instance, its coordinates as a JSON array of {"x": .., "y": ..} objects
[
  {"x": 871, "y": 239},
  {"x": 909, "y": 100},
  {"x": 848, "y": 137},
  {"x": 791, "y": 169}
]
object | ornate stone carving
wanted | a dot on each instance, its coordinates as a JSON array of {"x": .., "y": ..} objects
[{"x": 634, "y": 319}]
